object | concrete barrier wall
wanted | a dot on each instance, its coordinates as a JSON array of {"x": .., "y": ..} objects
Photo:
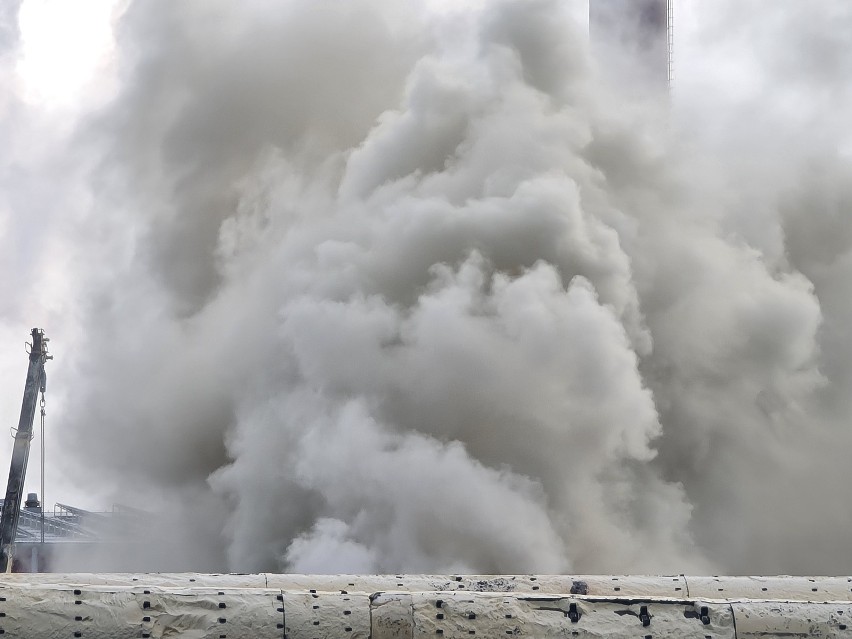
[
  {"x": 674, "y": 586},
  {"x": 33, "y": 610}
]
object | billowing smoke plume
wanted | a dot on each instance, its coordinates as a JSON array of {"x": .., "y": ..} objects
[{"x": 361, "y": 287}]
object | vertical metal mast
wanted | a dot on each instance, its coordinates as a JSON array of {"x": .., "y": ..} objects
[
  {"x": 635, "y": 40},
  {"x": 670, "y": 39},
  {"x": 21, "y": 450}
]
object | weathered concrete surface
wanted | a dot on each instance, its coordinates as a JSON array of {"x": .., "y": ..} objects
[
  {"x": 593, "y": 585},
  {"x": 798, "y": 588},
  {"x": 767, "y": 620},
  {"x": 124, "y": 613},
  {"x": 463, "y": 615},
  {"x": 49, "y": 606},
  {"x": 109, "y": 612},
  {"x": 164, "y": 579},
  {"x": 676, "y": 586}
]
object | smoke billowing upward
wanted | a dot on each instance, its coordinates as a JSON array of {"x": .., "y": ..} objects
[{"x": 362, "y": 287}]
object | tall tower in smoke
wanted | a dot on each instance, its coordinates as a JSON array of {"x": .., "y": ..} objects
[{"x": 634, "y": 39}]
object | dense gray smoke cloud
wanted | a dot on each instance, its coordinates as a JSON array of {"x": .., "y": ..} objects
[{"x": 357, "y": 287}]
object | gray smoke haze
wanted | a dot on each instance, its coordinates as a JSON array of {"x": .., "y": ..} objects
[{"x": 357, "y": 287}]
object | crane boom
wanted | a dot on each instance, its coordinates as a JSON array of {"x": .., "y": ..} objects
[{"x": 21, "y": 450}]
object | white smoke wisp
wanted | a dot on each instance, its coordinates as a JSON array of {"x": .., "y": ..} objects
[{"x": 361, "y": 288}]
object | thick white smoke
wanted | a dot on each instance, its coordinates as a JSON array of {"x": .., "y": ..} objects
[{"x": 358, "y": 287}]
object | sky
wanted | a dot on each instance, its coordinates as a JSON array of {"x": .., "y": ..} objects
[{"x": 410, "y": 286}]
